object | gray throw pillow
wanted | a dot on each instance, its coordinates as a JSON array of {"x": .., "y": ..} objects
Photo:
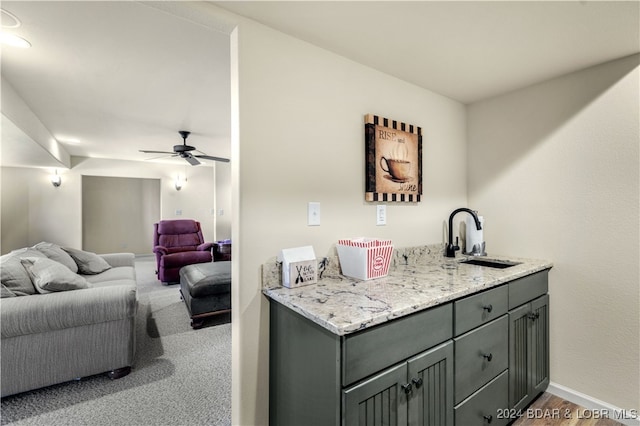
[
  {"x": 55, "y": 252},
  {"x": 6, "y": 292},
  {"x": 88, "y": 263},
  {"x": 13, "y": 275},
  {"x": 48, "y": 275}
]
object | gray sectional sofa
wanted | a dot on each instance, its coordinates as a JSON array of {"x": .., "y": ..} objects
[{"x": 65, "y": 314}]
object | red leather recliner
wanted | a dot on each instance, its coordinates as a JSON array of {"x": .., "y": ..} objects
[{"x": 177, "y": 243}]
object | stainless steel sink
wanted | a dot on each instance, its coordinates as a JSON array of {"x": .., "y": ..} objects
[{"x": 490, "y": 263}]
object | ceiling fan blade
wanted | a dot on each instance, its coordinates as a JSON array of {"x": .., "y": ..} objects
[
  {"x": 209, "y": 157},
  {"x": 191, "y": 160},
  {"x": 162, "y": 156},
  {"x": 155, "y": 152}
]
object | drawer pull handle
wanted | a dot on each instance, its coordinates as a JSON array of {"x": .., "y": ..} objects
[
  {"x": 489, "y": 356},
  {"x": 417, "y": 382},
  {"x": 533, "y": 316},
  {"x": 407, "y": 388},
  {"x": 488, "y": 308},
  {"x": 488, "y": 418}
]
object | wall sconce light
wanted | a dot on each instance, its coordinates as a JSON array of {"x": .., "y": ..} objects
[
  {"x": 179, "y": 182},
  {"x": 56, "y": 180}
]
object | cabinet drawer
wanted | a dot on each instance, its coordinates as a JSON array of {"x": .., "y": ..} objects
[
  {"x": 481, "y": 308},
  {"x": 374, "y": 349},
  {"x": 480, "y": 355},
  {"x": 528, "y": 288},
  {"x": 486, "y": 406}
]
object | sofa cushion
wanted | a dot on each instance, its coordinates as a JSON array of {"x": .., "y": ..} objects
[
  {"x": 48, "y": 275},
  {"x": 88, "y": 263},
  {"x": 6, "y": 292},
  {"x": 113, "y": 274},
  {"x": 56, "y": 311},
  {"x": 178, "y": 260},
  {"x": 55, "y": 252},
  {"x": 12, "y": 273},
  {"x": 178, "y": 226}
]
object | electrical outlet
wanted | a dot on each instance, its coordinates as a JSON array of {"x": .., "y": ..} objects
[
  {"x": 313, "y": 214},
  {"x": 178, "y": 212},
  {"x": 381, "y": 214}
]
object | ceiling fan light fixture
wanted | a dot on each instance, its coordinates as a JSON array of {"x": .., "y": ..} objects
[
  {"x": 13, "y": 40},
  {"x": 9, "y": 20}
]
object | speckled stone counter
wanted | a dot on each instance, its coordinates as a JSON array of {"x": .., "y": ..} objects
[{"x": 419, "y": 278}]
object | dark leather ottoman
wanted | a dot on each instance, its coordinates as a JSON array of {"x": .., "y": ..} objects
[{"x": 206, "y": 290}]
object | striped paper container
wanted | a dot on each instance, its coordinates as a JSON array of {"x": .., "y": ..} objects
[{"x": 364, "y": 258}]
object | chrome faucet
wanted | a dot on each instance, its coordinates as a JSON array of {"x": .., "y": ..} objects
[{"x": 451, "y": 248}]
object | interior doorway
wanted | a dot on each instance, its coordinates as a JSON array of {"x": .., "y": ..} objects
[{"x": 118, "y": 214}]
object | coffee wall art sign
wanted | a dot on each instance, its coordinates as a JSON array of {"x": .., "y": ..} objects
[{"x": 394, "y": 160}]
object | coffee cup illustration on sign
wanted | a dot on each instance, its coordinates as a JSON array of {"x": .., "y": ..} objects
[
  {"x": 397, "y": 164},
  {"x": 399, "y": 170}
]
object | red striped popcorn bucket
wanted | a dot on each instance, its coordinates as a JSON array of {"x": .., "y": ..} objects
[{"x": 364, "y": 258}]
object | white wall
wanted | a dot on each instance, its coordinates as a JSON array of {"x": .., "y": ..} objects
[
  {"x": 223, "y": 200},
  {"x": 55, "y": 214},
  {"x": 554, "y": 170},
  {"x": 299, "y": 137},
  {"x": 14, "y": 225}
]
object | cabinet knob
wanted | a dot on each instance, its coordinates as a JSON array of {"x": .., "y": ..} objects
[
  {"x": 534, "y": 316},
  {"x": 488, "y": 418},
  {"x": 488, "y": 308},
  {"x": 488, "y": 356},
  {"x": 407, "y": 388},
  {"x": 417, "y": 382}
]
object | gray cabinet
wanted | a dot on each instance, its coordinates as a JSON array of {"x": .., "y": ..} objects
[
  {"x": 528, "y": 351},
  {"x": 481, "y": 308},
  {"x": 481, "y": 357},
  {"x": 486, "y": 405},
  {"x": 401, "y": 371},
  {"x": 416, "y": 392},
  {"x": 457, "y": 363},
  {"x": 374, "y": 349},
  {"x": 378, "y": 400}
]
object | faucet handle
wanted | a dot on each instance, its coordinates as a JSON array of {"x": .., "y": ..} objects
[{"x": 456, "y": 247}]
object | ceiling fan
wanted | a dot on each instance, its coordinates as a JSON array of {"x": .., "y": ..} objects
[{"x": 184, "y": 151}]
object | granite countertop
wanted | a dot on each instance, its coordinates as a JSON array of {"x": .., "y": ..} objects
[{"x": 419, "y": 278}]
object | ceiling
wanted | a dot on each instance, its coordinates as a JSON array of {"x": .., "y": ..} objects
[
  {"x": 109, "y": 78},
  {"x": 465, "y": 50}
]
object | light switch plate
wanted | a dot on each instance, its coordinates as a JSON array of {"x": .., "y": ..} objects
[
  {"x": 381, "y": 214},
  {"x": 313, "y": 214}
]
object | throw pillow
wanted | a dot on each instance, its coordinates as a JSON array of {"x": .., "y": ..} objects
[
  {"x": 48, "y": 275},
  {"x": 88, "y": 263},
  {"x": 6, "y": 292},
  {"x": 13, "y": 275},
  {"x": 55, "y": 252}
]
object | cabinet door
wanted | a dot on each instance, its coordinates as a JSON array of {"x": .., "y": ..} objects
[
  {"x": 519, "y": 344},
  {"x": 431, "y": 376},
  {"x": 528, "y": 352},
  {"x": 380, "y": 400},
  {"x": 539, "y": 369}
]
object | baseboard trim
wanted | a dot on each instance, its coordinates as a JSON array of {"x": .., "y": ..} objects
[{"x": 630, "y": 418}]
